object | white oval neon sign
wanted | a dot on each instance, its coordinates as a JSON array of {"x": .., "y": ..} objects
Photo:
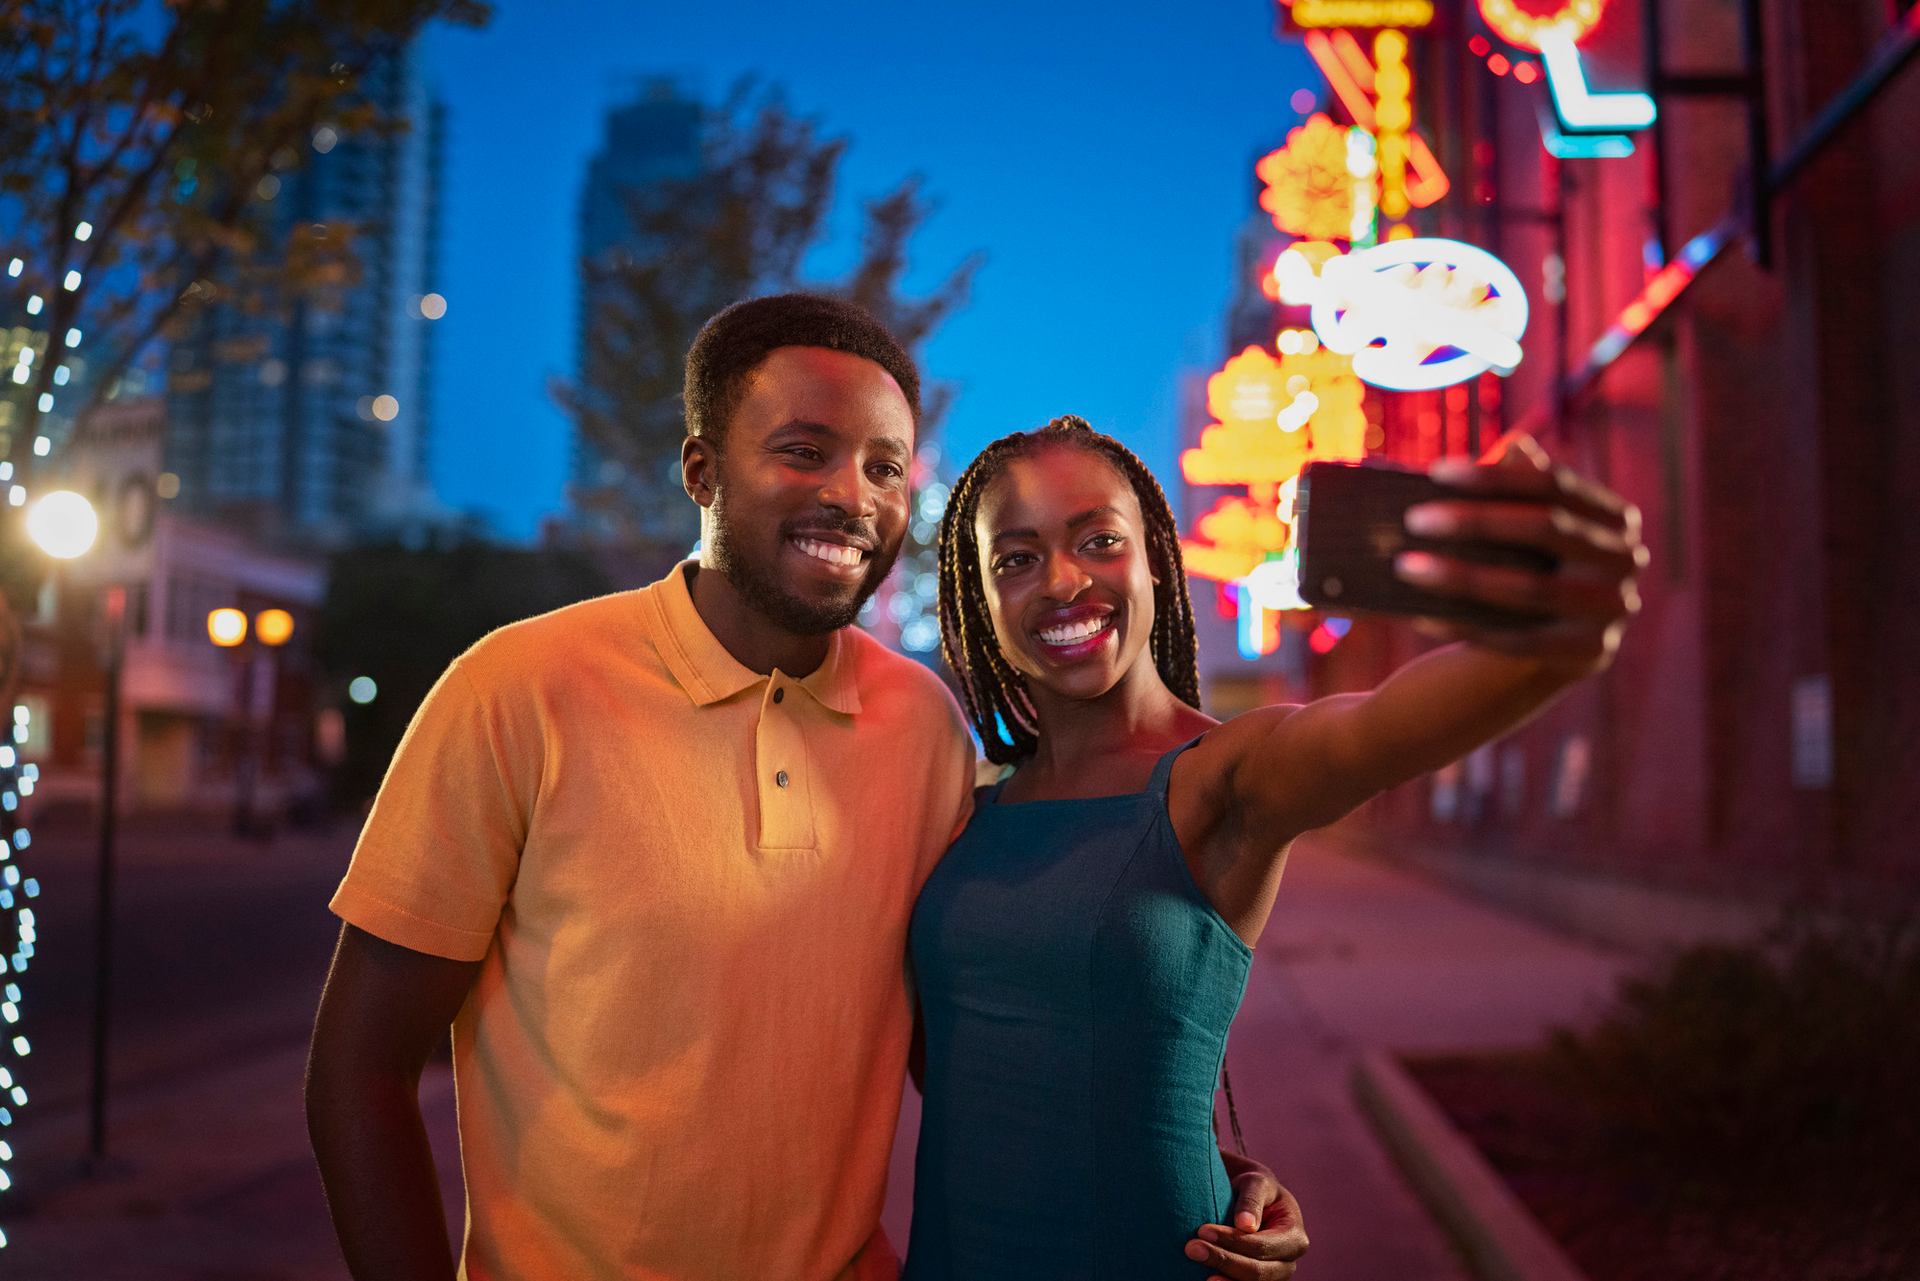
[{"x": 1421, "y": 314}]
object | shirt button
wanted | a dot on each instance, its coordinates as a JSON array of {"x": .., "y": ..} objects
[
  {"x": 779, "y": 694},
  {"x": 780, "y": 779}
]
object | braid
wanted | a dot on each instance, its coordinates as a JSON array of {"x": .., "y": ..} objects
[{"x": 993, "y": 694}]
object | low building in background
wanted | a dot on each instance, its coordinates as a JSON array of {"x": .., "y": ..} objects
[{"x": 244, "y": 730}]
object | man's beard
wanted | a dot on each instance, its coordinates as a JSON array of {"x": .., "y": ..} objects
[{"x": 761, "y": 588}]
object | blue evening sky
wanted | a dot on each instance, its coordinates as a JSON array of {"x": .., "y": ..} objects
[{"x": 1100, "y": 155}]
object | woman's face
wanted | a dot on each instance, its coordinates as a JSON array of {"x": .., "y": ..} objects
[{"x": 1063, "y": 558}]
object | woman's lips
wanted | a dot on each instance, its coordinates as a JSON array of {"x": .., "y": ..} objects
[{"x": 1075, "y": 639}]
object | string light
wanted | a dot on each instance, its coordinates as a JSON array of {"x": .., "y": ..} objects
[
  {"x": 64, "y": 524},
  {"x": 17, "y": 780}
]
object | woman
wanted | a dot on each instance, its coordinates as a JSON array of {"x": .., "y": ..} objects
[{"x": 1083, "y": 947}]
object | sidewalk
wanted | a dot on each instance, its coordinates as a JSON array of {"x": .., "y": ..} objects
[{"x": 212, "y": 1179}]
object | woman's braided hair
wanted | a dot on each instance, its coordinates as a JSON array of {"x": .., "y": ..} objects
[{"x": 993, "y": 693}]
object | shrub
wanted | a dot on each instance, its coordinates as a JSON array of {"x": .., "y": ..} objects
[{"x": 1796, "y": 1058}]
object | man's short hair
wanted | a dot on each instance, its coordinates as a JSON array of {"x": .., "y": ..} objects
[{"x": 736, "y": 340}]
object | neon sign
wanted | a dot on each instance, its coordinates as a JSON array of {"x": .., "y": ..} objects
[
  {"x": 1392, "y": 117},
  {"x": 1415, "y": 315},
  {"x": 1581, "y": 109},
  {"x": 1235, "y": 538},
  {"x": 1310, "y": 183},
  {"x": 1556, "y": 37},
  {"x": 1350, "y": 72},
  {"x": 1523, "y": 30},
  {"x": 1309, "y": 15}
]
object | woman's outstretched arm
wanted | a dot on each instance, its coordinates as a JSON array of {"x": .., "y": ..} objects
[{"x": 1296, "y": 768}]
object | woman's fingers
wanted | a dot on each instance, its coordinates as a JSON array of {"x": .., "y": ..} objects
[
  {"x": 1559, "y": 596},
  {"x": 1572, "y": 539},
  {"x": 1524, "y": 471},
  {"x": 1238, "y": 1267}
]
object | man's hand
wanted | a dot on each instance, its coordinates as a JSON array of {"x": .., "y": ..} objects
[
  {"x": 1591, "y": 532},
  {"x": 1263, "y": 1237}
]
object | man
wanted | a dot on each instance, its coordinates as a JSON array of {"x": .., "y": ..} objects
[{"x": 653, "y": 856}]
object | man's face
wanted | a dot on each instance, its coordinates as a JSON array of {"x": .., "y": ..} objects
[{"x": 807, "y": 494}]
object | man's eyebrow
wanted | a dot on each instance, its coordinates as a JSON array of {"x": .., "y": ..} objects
[
  {"x": 892, "y": 446},
  {"x": 1073, "y": 522}
]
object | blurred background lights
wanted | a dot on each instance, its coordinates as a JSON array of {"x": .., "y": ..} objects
[
  {"x": 62, "y": 524},
  {"x": 362, "y": 690},
  {"x": 385, "y": 408},
  {"x": 433, "y": 306},
  {"x": 324, "y": 139},
  {"x": 226, "y": 627},
  {"x": 273, "y": 626}
]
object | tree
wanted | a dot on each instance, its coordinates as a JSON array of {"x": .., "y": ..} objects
[
  {"x": 136, "y": 142},
  {"x": 742, "y": 224}
]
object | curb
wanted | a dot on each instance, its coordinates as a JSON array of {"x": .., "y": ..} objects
[{"x": 1500, "y": 1239}]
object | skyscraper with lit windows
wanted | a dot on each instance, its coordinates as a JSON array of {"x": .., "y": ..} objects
[
  {"x": 652, "y": 140},
  {"x": 311, "y": 417}
]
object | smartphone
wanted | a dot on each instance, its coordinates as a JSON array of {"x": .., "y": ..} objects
[{"x": 1351, "y": 520}]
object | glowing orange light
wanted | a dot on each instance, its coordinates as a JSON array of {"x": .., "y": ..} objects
[
  {"x": 1523, "y": 28},
  {"x": 226, "y": 627},
  {"x": 1499, "y": 65},
  {"x": 273, "y": 626},
  {"x": 1308, "y": 189},
  {"x": 1525, "y": 72}
]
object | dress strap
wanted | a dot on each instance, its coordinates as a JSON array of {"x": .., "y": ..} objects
[{"x": 1157, "y": 785}]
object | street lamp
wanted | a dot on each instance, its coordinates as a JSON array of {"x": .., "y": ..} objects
[
  {"x": 62, "y": 524},
  {"x": 227, "y": 628},
  {"x": 230, "y": 629}
]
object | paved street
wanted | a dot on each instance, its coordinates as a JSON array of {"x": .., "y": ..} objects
[{"x": 222, "y": 947}]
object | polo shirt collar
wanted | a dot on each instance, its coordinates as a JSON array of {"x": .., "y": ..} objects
[{"x": 704, "y": 668}]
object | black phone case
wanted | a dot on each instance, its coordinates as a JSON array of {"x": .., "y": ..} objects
[{"x": 1351, "y": 519}]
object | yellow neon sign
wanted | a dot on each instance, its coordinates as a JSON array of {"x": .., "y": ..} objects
[
  {"x": 1309, "y": 15},
  {"x": 1393, "y": 117},
  {"x": 1309, "y": 186}
]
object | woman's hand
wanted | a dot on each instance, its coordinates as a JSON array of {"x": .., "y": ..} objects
[
  {"x": 1591, "y": 532},
  {"x": 1266, "y": 1238}
]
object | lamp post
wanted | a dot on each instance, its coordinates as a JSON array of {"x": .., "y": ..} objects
[
  {"x": 230, "y": 629},
  {"x": 64, "y": 526}
]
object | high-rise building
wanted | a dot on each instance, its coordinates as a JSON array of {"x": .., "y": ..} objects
[
  {"x": 311, "y": 416},
  {"x": 653, "y": 140}
]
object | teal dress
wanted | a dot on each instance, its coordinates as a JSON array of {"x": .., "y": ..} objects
[{"x": 1076, "y": 988}]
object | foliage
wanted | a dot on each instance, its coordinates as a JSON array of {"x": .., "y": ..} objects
[
  {"x": 162, "y": 127},
  {"x": 401, "y": 616},
  {"x": 1768, "y": 1064},
  {"x": 742, "y": 224}
]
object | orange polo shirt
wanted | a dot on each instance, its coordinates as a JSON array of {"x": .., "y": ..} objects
[{"x": 689, "y": 885}]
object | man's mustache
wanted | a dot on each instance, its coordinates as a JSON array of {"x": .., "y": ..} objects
[{"x": 848, "y": 527}]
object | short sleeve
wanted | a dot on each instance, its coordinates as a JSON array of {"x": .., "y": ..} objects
[{"x": 441, "y": 846}]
